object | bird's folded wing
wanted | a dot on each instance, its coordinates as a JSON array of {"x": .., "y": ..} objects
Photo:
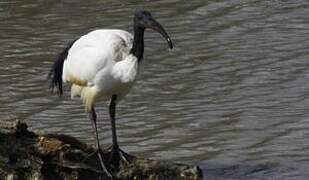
[{"x": 93, "y": 52}]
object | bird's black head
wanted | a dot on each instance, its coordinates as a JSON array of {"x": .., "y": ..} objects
[{"x": 143, "y": 19}]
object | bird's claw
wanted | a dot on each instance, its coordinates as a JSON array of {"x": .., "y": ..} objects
[
  {"x": 103, "y": 165},
  {"x": 118, "y": 156},
  {"x": 98, "y": 153},
  {"x": 89, "y": 156}
]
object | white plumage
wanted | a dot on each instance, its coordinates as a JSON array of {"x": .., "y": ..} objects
[
  {"x": 99, "y": 64},
  {"x": 103, "y": 65}
]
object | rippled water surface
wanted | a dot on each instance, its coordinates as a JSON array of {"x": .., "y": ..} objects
[{"x": 233, "y": 95}]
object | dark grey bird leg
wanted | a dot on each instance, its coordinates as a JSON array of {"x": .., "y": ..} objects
[
  {"x": 117, "y": 154},
  {"x": 93, "y": 118}
]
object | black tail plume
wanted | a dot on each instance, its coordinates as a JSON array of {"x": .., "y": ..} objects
[{"x": 56, "y": 71}]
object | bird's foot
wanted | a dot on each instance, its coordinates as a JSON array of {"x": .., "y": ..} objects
[
  {"x": 103, "y": 165},
  {"x": 118, "y": 156},
  {"x": 89, "y": 156},
  {"x": 98, "y": 153}
]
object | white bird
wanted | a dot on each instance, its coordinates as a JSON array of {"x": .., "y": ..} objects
[{"x": 103, "y": 65}]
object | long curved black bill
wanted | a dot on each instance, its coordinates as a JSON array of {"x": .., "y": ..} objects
[{"x": 153, "y": 24}]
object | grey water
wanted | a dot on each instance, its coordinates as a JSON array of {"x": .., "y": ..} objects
[{"x": 232, "y": 96}]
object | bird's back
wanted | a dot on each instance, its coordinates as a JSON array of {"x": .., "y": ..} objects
[{"x": 93, "y": 52}]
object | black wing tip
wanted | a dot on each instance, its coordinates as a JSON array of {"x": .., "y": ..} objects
[
  {"x": 54, "y": 83},
  {"x": 55, "y": 74}
]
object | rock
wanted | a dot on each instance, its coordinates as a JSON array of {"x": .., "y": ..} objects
[{"x": 28, "y": 155}]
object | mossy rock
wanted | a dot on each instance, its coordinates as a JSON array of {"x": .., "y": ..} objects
[{"x": 25, "y": 155}]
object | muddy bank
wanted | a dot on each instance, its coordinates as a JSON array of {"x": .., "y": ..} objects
[{"x": 28, "y": 155}]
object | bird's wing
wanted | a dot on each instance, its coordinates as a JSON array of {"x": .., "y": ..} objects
[{"x": 93, "y": 52}]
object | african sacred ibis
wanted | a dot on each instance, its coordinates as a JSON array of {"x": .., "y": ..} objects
[{"x": 102, "y": 65}]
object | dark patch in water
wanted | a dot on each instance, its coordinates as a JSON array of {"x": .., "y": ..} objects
[{"x": 252, "y": 172}]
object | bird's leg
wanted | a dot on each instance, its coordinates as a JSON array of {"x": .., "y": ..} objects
[
  {"x": 117, "y": 154},
  {"x": 93, "y": 118}
]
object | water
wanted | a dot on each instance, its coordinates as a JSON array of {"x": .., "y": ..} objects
[{"x": 232, "y": 96}]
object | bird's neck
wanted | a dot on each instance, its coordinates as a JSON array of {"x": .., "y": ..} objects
[{"x": 138, "y": 43}]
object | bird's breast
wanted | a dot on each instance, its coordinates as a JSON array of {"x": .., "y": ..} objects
[
  {"x": 118, "y": 78},
  {"x": 125, "y": 71}
]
